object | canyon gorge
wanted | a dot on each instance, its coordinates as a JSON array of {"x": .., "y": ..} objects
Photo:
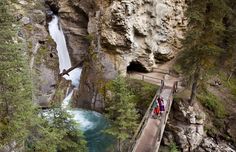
[{"x": 106, "y": 38}]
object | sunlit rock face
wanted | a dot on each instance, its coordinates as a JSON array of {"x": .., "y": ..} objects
[
  {"x": 147, "y": 31},
  {"x": 109, "y": 35},
  {"x": 142, "y": 30},
  {"x": 187, "y": 125}
]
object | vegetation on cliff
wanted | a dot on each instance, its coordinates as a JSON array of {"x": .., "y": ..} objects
[
  {"x": 121, "y": 111},
  {"x": 21, "y": 125},
  {"x": 208, "y": 50},
  {"x": 203, "y": 42},
  {"x": 126, "y": 103}
]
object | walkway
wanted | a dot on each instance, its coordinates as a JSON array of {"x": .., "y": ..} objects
[
  {"x": 149, "y": 134},
  {"x": 156, "y": 76}
]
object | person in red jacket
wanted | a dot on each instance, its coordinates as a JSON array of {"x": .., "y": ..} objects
[{"x": 156, "y": 109}]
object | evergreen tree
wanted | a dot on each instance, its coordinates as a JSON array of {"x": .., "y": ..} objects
[
  {"x": 16, "y": 109},
  {"x": 21, "y": 126},
  {"x": 229, "y": 54},
  {"x": 120, "y": 108},
  {"x": 64, "y": 135},
  {"x": 201, "y": 47}
]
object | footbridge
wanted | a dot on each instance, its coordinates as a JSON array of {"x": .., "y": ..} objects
[{"x": 148, "y": 136}]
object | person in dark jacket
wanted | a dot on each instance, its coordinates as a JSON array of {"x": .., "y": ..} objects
[{"x": 161, "y": 104}]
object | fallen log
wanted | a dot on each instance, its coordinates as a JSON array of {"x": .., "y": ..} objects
[{"x": 66, "y": 72}]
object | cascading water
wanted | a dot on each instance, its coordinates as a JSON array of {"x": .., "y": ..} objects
[
  {"x": 92, "y": 123},
  {"x": 63, "y": 55}
]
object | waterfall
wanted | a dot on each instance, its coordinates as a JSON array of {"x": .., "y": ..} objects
[
  {"x": 92, "y": 123},
  {"x": 57, "y": 35}
]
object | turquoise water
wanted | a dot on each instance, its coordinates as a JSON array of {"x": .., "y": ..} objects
[{"x": 92, "y": 124}]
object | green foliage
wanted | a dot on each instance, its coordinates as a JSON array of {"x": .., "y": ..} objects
[
  {"x": 173, "y": 147},
  {"x": 202, "y": 45},
  {"x": 120, "y": 109},
  {"x": 17, "y": 111},
  {"x": 212, "y": 103},
  {"x": 143, "y": 92},
  {"x": 89, "y": 37},
  {"x": 230, "y": 84},
  {"x": 228, "y": 57},
  {"x": 21, "y": 126},
  {"x": 64, "y": 135}
]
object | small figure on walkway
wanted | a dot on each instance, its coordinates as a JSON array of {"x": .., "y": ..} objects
[
  {"x": 156, "y": 110},
  {"x": 161, "y": 104}
]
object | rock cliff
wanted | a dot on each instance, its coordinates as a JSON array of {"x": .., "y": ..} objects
[
  {"x": 187, "y": 126},
  {"x": 43, "y": 59},
  {"x": 109, "y": 35}
]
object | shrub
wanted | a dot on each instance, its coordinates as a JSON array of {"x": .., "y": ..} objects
[
  {"x": 212, "y": 103},
  {"x": 144, "y": 93},
  {"x": 173, "y": 147}
]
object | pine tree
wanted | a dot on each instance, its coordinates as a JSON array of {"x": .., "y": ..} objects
[
  {"x": 59, "y": 133},
  {"x": 201, "y": 47},
  {"x": 21, "y": 126},
  {"x": 16, "y": 108},
  {"x": 120, "y": 108},
  {"x": 229, "y": 54}
]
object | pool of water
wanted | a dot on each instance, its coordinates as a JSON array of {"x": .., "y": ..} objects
[{"x": 92, "y": 124}]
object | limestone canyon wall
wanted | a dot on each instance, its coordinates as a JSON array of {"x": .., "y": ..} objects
[
  {"x": 108, "y": 35},
  {"x": 39, "y": 46}
]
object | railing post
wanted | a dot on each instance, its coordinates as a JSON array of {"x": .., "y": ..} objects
[
  {"x": 143, "y": 77},
  {"x": 162, "y": 82},
  {"x": 175, "y": 87}
]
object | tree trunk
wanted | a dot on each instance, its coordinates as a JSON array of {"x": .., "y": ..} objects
[
  {"x": 196, "y": 78},
  {"x": 70, "y": 69},
  {"x": 193, "y": 93},
  {"x": 119, "y": 147}
]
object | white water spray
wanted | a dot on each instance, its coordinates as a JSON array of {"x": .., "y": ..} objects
[{"x": 57, "y": 35}]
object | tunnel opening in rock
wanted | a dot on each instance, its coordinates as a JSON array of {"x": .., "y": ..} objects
[{"x": 136, "y": 66}]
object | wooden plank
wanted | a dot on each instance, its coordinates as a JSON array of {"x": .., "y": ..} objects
[
  {"x": 150, "y": 134},
  {"x": 153, "y": 129},
  {"x": 145, "y": 119}
]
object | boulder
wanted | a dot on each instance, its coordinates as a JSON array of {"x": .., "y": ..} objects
[{"x": 210, "y": 145}]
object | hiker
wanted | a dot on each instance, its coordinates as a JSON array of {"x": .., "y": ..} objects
[
  {"x": 161, "y": 104},
  {"x": 156, "y": 109}
]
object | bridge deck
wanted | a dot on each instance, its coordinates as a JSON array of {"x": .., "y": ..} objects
[{"x": 150, "y": 138}]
